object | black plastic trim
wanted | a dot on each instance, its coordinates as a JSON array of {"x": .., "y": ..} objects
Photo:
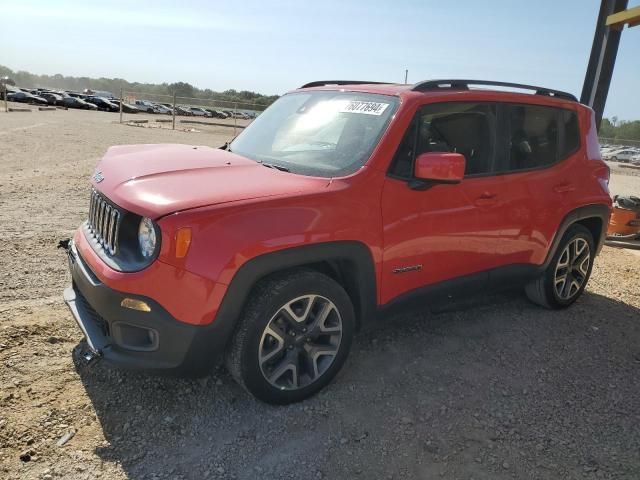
[
  {"x": 459, "y": 84},
  {"x": 180, "y": 348},
  {"x": 355, "y": 253},
  {"x": 598, "y": 211},
  {"x": 508, "y": 276},
  {"x": 330, "y": 83}
]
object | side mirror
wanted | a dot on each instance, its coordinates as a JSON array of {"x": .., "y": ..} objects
[{"x": 437, "y": 167}]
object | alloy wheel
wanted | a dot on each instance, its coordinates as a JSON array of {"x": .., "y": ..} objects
[
  {"x": 572, "y": 268},
  {"x": 300, "y": 342}
]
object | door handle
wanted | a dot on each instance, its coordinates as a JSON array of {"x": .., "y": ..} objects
[
  {"x": 564, "y": 188},
  {"x": 486, "y": 199}
]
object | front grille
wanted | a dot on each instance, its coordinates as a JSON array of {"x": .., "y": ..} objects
[{"x": 104, "y": 222}]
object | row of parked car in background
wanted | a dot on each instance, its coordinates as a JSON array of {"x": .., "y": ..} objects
[
  {"x": 620, "y": 153},
  {"x": 105, "y": 101},
  {"x": 167, "y": 108}
]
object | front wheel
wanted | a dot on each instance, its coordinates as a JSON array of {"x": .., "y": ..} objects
[
  {"x": 294, "y": 336},
  {"x": 567, "y": 275}
]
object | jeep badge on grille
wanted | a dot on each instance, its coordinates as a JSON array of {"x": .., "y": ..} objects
[{"x": 98, "y": 177}]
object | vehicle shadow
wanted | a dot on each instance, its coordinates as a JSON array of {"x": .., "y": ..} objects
[{"x": 493, "y": 387}]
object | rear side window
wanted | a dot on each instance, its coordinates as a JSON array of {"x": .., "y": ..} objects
[
  {"x": 539, "y": 136},
  {"x": 460, "y": 127},
  {"x": 534, "y": 137}
]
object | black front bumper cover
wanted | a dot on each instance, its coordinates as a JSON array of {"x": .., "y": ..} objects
[{"x": 177, "y": 347}]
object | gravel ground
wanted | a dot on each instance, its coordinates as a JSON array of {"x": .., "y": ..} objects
[{"x": 491, "y": 387}]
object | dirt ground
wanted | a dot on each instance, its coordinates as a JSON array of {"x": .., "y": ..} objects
[{"x": 489, "y": 388}]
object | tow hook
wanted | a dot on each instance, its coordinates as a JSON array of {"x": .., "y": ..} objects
[
  {"x": 64, "y": 244},
  {"x": 90, "y": 357}
]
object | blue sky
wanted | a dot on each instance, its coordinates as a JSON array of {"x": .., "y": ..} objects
[{"x": 272, "y": 46}]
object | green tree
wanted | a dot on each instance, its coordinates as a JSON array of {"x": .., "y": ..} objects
[{"x": 181, "y": 89}]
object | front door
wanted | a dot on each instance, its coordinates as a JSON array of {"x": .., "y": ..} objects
[{"x": 445, "y": 231}]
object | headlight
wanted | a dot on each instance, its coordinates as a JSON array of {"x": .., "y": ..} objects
[{"x": 147, "y": 237}]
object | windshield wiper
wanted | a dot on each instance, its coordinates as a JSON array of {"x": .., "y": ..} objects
[{"x": 271, "y": 165}]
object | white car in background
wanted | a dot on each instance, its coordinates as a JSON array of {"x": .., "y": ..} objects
[
  {"x": 623, "y": 155},
  {"x": 145, "y": 106},
  {"x": 159, "y": 108},
  {"x": 200, "y": 112}
]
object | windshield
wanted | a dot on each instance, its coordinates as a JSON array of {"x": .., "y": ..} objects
[{"x": 321, "y": 133}]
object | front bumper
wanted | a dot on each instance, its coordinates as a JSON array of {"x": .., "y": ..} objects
[{"x": 152, "y": 340}]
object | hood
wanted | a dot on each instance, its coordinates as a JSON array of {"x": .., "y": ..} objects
[{"x": 155, "y": 180}]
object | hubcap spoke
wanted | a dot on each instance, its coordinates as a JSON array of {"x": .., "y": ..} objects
[
  {"x": 287, "y": 371},
  {"x": 319, "y": 355},
  {"x": 563, "y": 262},
  {"x": 273, "y": 333},
  {"x": 297, "y": 312},
  {"x": 323, "y": 316},
  {"x": 582, "y": 263},
  {"x": 300, "y": 342}
]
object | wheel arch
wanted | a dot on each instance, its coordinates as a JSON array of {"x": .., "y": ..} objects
[
  {"x": 349, "y": 263},
  {"x": 593, "y": 217}
]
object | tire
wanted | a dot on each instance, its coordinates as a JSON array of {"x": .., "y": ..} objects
[
  {"x": 273, "y": 364},
  {"x": 614, "y": 159},
  {"x": 575, "y": 255}
]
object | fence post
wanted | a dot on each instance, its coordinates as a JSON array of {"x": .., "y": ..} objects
[
  {"x": 174, "y": 111},
  {"x": 235, "y": 119},
  {"x": 6, "y": 107},
  {"x": 121, "y": 100}
]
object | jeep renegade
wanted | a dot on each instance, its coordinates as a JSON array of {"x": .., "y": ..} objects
[{"x": 341, "y": 199}]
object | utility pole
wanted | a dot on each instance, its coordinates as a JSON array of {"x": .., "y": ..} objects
[
  {"x": 406, "y": 76},
  {"x": 174, "y": 111},
  {"x": 121, "y": 100},
  {"x": 603, "y": 57}
]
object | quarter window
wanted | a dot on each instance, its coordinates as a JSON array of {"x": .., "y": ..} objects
[{"x": 571, "y": 143}]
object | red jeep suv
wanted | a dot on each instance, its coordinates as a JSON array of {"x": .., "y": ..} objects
[{"x": 341, "y": 199}]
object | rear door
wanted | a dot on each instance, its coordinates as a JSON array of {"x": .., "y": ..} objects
[
  {"x": 446, "y": 231},
  {"x": 540, "y": 179}
]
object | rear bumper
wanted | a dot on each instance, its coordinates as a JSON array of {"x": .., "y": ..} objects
[{"x": 152, "y": 340}]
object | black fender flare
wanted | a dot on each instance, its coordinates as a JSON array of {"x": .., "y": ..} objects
[
  {"x": 356, "y": 257},
  {"x": 597, "y": 211}
]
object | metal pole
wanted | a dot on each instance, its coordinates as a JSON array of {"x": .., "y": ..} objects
[
  {"x": 235, "y": 119},
  {"x": 174, "y": 111},
  {"x": 121, "y": 100},
  {"x": 602, "y": 60},
  {"x": 406, "y": 76}
]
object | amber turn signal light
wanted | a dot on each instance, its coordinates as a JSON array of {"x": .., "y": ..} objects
[
  {"x": 183, "y": 242},
  {"x": 134, "y": 304}
]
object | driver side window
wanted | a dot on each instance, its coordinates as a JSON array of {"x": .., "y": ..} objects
[{"x": 460, "y": 127}]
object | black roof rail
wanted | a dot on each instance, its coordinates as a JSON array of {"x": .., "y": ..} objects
[
  {"x": 322, "y": 83},
  {"x": 456, "y": 84}
]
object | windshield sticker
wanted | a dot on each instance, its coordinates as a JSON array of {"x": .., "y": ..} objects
[{"x": 367, "y": 108}]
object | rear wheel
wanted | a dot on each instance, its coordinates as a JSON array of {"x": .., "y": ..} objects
[
  {"x": 293, "y": 337},
  {"x": 567, "y": 275}
]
